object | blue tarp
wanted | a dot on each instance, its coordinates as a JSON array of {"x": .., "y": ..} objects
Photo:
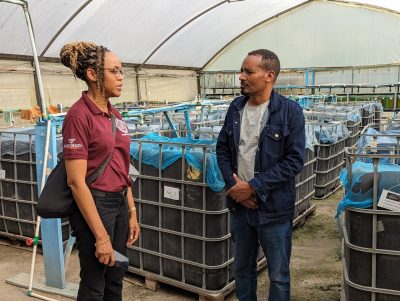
[
  {"x": 360, "y": 193},
  {"x": 171, "y": 153},
  {"x": 331, "y": 133},
  {"x": 382, "y": 143}
]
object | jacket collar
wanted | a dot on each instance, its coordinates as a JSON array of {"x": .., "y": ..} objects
[{"x": 274, "y": 103}]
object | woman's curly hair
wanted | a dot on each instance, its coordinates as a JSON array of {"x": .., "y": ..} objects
[{"x": 79, "y": 56}]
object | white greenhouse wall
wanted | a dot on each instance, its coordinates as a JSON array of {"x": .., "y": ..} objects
[
  {"x": 17, "y": 88},
  {"x": 172, "y": 85},
  {"x": 321, "y": 34}
]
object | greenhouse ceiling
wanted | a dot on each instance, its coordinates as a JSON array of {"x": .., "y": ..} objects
[{"x": 185, "y": 33}]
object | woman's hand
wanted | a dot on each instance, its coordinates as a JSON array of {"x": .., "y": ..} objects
[
  {"x": 105, "y": 252},
  {"x": 134, "y": 229}
]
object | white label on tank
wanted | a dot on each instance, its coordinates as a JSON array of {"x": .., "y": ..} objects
[
  {"x": 133, "y": 172},
  {"x": 389, "y": 200},
  {"x": 2, "y": 174},
  {"x": 171, "y": 193}
]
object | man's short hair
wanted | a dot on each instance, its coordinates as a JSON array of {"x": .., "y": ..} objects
[{"x": 269, "y": 60}]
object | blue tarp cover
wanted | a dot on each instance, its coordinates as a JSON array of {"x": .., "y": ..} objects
[
  {"x": 359, "y": 194},
  {"x": 171, "y": 153}
]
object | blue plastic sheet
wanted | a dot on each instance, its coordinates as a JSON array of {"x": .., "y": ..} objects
[
  {"x": 325, "y": 136},
  {"x": 381, "y": 139},
  {"x": 382, "y": 143},
  {"x": 330, "y": 134},
  {"x": 171, "y": 153},
  {"x": 360, "y": 193},
  {"x": 353, "y": 116},
  {"x": 311, "y": 139}
]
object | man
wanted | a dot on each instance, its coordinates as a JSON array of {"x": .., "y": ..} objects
[{"x": 260, "y": 150}]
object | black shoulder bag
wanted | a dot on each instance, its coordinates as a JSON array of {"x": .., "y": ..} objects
[{"x": 56, "y": 199}]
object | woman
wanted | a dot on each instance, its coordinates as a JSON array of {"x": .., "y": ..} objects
[{"x": 104, "y": 217}]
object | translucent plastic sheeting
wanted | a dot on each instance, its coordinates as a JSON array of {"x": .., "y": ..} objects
[
  {"x": 143, "y": 31},
  {"x": 47, "y": 18},
  {"x": 309, "y": 101},
  {"x": 135, "y": 29},
  {"x": 333, "y": 114},
  {"x": 311, "y": 139},
  {"x": 329, "y": 133},
  {"x": 218, "y": 27},
  {"x": 147, "y": 127},
  {"x": 359, "y": 193},
  {"x": 208, "y": 132},
  {"x": 171, "y": 153},
  {"x": 394, "y": 125},
  {"x": 380, "y": 141},
  {"x": 322, "y": 46},
  {"x": 380, "y": 138}
]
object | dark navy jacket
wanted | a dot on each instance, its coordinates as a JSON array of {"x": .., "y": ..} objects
[{"x": 279, "y": 157}]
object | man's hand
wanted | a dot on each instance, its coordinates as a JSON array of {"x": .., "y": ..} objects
[
  {"x": 250, "y": 203},
  {"x": 242, "y": 191}
]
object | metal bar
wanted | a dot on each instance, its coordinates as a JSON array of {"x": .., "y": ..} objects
[
  {"x": 18, "y": 2},
  {"x": 194, "y": 210},
  {"x": 171, "y": 125},
  {"x": 140, "y": 149},
  {"x": 202, "y": 114},
  {"x": 41, "y": 101},
  {"x": 139, "y": 93},
  {"x": 365, "y": 288},
  {"x": 306, "y": 81},
  {"x": 183, "y": 212},
  {"x": 179, "y": 29},
  {"x": 63, "y": 27},
  {"x": 188, "y": 126},
  {"x": 15, "y": 183},
  {"x": 50, "y": 228},
  {"x": 160, "y": 209},
  {"x": 375, "y": 162},
  {"x": 185, "y": 261},
  {"x": 254, "y": 26}
]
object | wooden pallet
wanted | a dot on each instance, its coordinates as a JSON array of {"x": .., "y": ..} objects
[
  {"x": 328, "y": 193},
  {"x": 153, "y": 281},
  {"x": 301, "y": 219}
]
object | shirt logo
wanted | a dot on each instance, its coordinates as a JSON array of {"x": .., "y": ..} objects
[
  {"x": 121, "y": 125},
  {"x": 71, "y": 145}
]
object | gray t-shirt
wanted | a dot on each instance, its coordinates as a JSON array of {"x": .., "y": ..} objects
[{"x": 250, "y": 129}]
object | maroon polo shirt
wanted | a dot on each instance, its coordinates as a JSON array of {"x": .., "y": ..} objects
[{"x": 87, "y": 134}]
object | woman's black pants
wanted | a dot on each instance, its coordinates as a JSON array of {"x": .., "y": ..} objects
[{"x": 98, "y": 281}]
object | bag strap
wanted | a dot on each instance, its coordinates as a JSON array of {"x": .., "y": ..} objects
[{"x": 101, "y": 168}]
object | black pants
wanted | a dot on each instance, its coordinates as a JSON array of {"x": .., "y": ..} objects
[{"x": 99, "y": 282}]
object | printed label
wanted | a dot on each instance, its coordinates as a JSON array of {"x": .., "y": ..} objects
[
  {"x": 133, "y": 172},
  {"x": 171, "y": 193},
  {"x": 2, "y": 174},
  {"x": 389, "y": 200}
]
